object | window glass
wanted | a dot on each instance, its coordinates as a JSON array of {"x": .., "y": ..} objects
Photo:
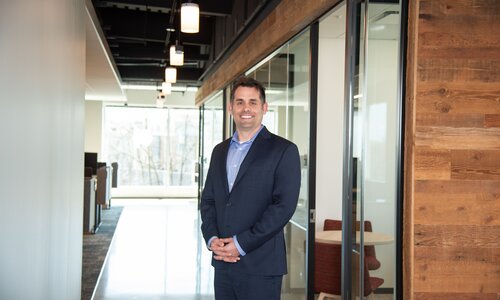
[
  {"x": 213, "y": 113},
  {"x": 153, "y": 147}
]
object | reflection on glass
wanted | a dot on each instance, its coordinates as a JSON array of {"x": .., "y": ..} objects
[
  {"x": 380, "y": 182},
  {"x": 374, "y": 143},
  {"x": 213, "y": 112},
  {"x": 357, "y": 170},
  {"x": 286, "y": 78}
]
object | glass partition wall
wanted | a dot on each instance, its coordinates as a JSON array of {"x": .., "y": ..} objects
[
  {"x": 373, "y": 114},
  {"x": 357, "y": 148},
  {"x": 285, "y": 74},
  {"x": 211, "y": 132}
]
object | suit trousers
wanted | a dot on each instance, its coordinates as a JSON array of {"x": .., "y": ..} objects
[{"x": 231, "y": 285}]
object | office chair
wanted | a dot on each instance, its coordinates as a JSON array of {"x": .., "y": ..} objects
[
  {"x": 328, "y": 269},
  {"x": 370, "y": 255}
]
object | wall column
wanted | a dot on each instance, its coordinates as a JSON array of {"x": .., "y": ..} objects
[{"x": 42, "y": 80}]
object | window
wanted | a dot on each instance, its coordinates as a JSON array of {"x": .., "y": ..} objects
[{"x": 153, "y": 147}]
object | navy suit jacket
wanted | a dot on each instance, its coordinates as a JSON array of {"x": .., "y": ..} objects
[{"x": 262, "y": 201}]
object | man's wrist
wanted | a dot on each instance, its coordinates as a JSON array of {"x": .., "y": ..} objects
[
  {"x": 209, "y": 243},
  {"x": 238, "y": 247}
]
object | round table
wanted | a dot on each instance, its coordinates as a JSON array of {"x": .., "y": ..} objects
[{"x": 370, "y": 238}]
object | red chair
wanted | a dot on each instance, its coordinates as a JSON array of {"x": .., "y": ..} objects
[
  {"x": 328, "y": 269},
  {"x": 371, "y": 258},
  {"x": 370, "y": 255},
  {"x": 370, "y": 283}
]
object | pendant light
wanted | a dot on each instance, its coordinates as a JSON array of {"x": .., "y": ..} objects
[
  {"x": 190, "y": 17},
  {"x": 166, "y": 88},
  {"x": 176, "y": 55},
  {"x": 170, "y": 74},
  {"x": 160, "y": 100}
]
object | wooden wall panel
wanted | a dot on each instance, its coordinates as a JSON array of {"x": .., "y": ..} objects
[
  {"x": 475, "y": 165},
  {"x": 456, "y": 98},
  {"x": 492, "y": 120},
  {"x": 457, "y": 236},
  {"x": 432, "y": 164},
  {"x": 454, "y": 163},
  {"x": 455, "y": 296},
  {"x": 457, "y": 209},
  {"x": 451, "y": 120},
  {"x": 437, "y": 137}
]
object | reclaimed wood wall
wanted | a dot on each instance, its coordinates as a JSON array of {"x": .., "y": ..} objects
[{"x": 452, "y": 159}]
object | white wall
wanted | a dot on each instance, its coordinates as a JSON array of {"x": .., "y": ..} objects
[
  {"x": 42, "y": 76},
  {"x": 148, "y": 98},
  {"x": 93, "y": 127},
  {"x": 330, "y": 133}
]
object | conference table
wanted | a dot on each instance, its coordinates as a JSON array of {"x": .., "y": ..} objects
[{"x": 370, "y": 238}]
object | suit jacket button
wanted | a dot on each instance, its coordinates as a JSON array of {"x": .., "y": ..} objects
[{"x": 228, "y": 204}]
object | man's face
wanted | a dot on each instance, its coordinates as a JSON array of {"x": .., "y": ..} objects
[{"x": 247, "y": 109}]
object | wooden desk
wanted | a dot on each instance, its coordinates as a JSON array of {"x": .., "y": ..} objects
[{"x": 370, "y": 238}]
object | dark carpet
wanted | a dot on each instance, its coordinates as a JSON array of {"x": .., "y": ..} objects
[{"x": 95, "y": 249}]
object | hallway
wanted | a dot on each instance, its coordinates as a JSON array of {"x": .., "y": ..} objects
[{"x": 157, "y": 253}]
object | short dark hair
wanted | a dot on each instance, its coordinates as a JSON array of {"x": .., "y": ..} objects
[{"x": 249, "y": 82}]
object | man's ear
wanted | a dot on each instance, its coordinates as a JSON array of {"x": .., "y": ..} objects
[
  {"x": 229, "y": 107},
  {"x": 265, "y": 107}
]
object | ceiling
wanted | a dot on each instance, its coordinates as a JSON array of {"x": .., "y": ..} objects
[
  {"x": 128, "y": 40},
  {"x": 102, "y": 80},
  {"x": 127, "y": 43},
  {"x": 138, "y": 39}
]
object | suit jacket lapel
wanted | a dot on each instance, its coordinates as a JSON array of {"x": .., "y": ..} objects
[
  {"x": 252, "y": 154},
  {"x": 222, "y": 166}
]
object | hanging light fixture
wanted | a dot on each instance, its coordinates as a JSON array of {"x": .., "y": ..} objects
[
  {"x": 176, "y": 54},
  {"x": 190, "y": 17},
  {"x": 170, "y": 74},
  {"x": 166, "y": 88},
  {"x": 160, "y": 100}
]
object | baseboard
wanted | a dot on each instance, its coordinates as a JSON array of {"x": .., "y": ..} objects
[{"x": 384, "y": 291}]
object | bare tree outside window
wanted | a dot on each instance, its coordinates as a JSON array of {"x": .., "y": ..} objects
[{"x": 154, "y": 147}]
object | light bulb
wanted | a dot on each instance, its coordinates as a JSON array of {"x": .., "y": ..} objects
[
  {"x": 190, "y": 18},
  {"x": 176, "y": 56},
  {"x": 170, "y": 75},
  {"x": 166, "y": 88}
]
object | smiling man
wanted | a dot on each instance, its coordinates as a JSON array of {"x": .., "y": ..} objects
[{"x": 250, "y": 194}]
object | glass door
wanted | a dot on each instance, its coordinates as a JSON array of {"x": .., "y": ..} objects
[
  {"x": 212, "y": 133},
  {"x": 373, "y": 110},
  {"x": 351, "y": 195}
]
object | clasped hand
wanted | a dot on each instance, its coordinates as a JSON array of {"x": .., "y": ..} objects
[{"x": 225, "y": 250}]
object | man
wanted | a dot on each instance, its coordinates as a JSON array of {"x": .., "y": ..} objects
[{"x": 250, "y": 194}]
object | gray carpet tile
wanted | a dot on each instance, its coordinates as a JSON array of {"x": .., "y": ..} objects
[{"x": 95, "y": 249}]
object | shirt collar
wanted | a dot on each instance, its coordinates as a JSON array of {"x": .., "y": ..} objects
[{"x": 235, "y": 139}]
